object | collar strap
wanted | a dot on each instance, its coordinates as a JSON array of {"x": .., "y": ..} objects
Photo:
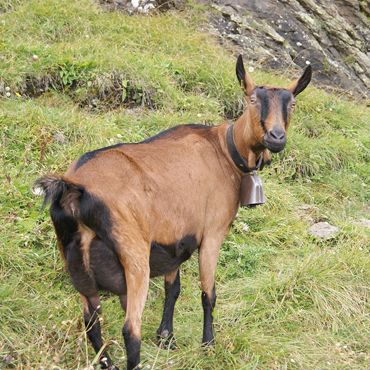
[{"x": 237, "y": 158}]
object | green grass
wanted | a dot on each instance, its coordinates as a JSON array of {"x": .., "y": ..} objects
[{"x": 285, "y": 299}]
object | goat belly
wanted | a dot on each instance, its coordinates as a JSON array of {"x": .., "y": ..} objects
[
  {"x": 79, "y": 276},
  {"x": 167, "y": 258},
  {"x": 96, "y": 268},
  {"x": 106, "y": 268}
]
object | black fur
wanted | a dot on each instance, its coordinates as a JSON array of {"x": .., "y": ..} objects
[
  {"x": 285, "y": 97},
  {"x": 240, "y": 72},
  {"x": 93, "y": 331},
  {"x": 108, "y": 271},
  {"x": 208, "y": 304},
  {"x": 165, "y": 330},
  {"x": 95, "y": 215},
  {"x": 303, "y": 81},
  {"x": 167, "y": 258},
  {"x": 262, "y": 95},
  {"x": 132, "y": 347},
  {"x": 65, "y": 226},
  {"x": 80, "y": 278}
]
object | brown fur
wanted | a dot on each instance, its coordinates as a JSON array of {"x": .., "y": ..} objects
[{"x": 179, "y": 191}]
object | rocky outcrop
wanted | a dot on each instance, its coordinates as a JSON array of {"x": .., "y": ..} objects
[{"x": 331, "y": 35}]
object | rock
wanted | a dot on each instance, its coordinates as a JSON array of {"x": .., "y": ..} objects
[
  {"x": 323, "y": 230},
  {"x": 363, "y": 222},
  {"x": 307, "y": 213},
  {"x": 140, "y": 6},
  {"x": 331, "y": 35}
]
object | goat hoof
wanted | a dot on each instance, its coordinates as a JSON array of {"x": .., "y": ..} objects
[
  {"x": 209, "y": 344},
  {"x": 167, "y": 342}
]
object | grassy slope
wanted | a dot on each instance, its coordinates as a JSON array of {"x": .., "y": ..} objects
[{"x": 285, "y": 299}]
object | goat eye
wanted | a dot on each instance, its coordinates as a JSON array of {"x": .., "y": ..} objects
[
  {"x": 253, "y": 100},
  {"x": 293, "y": 103}
]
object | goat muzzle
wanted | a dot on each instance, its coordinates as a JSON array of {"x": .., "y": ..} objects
[{"x": 275, "y": 140}]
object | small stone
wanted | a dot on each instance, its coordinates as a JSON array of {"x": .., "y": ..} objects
[
  {"x": 363, "y": 222},
  {"x": 60, "y": 138},
  {"x": 323, "y": 230}
]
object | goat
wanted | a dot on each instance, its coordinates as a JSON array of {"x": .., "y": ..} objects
[{"x": 129, "y": 212}]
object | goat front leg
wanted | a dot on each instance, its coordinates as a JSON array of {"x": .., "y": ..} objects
[
  {"x": 208, "y": 257},
  {"x": 91, "y": 306},
  {"x": 172, "y": 292}
]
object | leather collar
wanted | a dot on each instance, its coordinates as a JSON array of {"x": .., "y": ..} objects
[{"x": 237, "y": 158}]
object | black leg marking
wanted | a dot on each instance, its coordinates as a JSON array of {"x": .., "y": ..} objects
[
  {"x": 93, "y": 331},
  {"x": 208, "y": 306},
  {"x": 132, "y": 347},
  {"x": 165, "y": 330}
]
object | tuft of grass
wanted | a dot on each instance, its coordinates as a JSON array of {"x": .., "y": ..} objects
[{"x": 104, "y": 57}]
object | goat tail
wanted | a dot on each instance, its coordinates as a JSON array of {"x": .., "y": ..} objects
[{"x": 61, "y": 191}]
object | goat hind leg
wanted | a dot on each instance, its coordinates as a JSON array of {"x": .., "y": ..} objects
[
  {"x": 172, "y": 292},
  {"x": 91, "y": 306}
]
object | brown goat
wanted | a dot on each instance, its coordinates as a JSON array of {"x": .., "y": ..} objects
[{"x": 129, "y": 212}]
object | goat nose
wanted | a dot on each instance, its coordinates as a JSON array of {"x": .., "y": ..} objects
[{"x": 277, "y": 133}]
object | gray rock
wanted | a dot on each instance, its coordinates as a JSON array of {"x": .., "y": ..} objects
[
  {"x": 323, "y": 230},
  {"x": 332, "y": 35},
  {"x": 363, "y": 222}
]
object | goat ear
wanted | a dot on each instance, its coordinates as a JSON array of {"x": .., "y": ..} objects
[
  {"x": 245, "y": 81},
  {"x": 299, "y": 85}
]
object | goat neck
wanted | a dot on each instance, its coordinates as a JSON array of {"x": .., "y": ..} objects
[{"x": 247, "y": 141}]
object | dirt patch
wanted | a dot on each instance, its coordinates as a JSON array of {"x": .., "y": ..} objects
[{"x": 106, "y": 91}]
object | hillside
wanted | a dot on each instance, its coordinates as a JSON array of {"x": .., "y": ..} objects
[{"x": 77, "y": 76}]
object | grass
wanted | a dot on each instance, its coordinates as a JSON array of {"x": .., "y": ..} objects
[{"x": 285, "y": 299}]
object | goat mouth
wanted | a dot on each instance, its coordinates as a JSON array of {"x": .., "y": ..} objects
[{"x": 274, "y": 146}]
